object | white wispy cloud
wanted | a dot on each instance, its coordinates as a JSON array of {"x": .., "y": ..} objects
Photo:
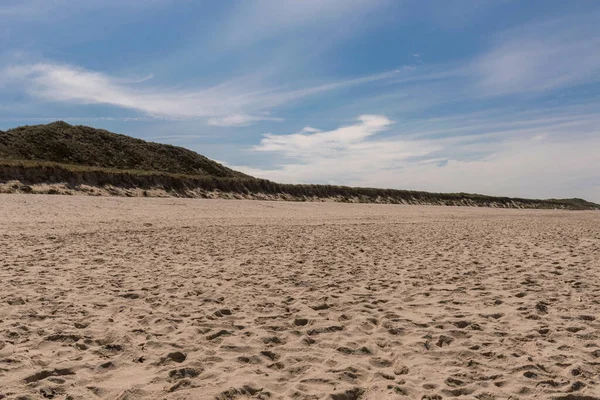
[
  {"x": 257, "y": 20},
  {"x": 239, "y": 120},
  {"x": 310, "y": 141},
  {"x": 238, "y": 102},
  {"x": 534, "y": 59},
  {"x": 541, "y": 56}
]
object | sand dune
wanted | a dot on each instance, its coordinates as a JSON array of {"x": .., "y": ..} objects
[{"x": 116, "y": 298}]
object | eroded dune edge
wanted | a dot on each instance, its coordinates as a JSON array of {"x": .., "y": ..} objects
[
  {"x": 135, "y": 298},
  {"x": 51, "y": 180}
]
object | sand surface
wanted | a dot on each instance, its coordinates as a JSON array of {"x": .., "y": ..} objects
[{"x": 133, "y": 298}]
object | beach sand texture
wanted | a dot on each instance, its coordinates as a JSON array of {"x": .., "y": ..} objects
[{"x": 135, "y": 298}]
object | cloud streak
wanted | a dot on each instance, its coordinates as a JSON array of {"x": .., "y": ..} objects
[
  {"x": 540, "y": 57},
  {"x": 265, "y": 19},
  {"x": 311, "y": 141},
  {"x": 239, "y": 102}
]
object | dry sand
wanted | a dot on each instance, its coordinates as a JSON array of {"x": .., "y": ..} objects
[{"x": 201, "y": 299}]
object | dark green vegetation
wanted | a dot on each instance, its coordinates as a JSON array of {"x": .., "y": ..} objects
[
  {"x": 81, "y": 145},
  {"x": 59, "y": 153}
]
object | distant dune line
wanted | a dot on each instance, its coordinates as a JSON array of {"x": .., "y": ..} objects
[{"x": 57, "y": 178}]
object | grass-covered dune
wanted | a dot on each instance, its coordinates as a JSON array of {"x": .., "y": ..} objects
[{"x": 82, "y": 145}]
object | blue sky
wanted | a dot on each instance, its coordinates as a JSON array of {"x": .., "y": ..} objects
[{"x": 497, "y": 97}]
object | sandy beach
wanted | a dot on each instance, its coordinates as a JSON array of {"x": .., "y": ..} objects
[{"x": 148, "y": 298}]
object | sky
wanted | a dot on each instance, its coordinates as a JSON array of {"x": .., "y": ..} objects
[{"x": 496, "y": 97}]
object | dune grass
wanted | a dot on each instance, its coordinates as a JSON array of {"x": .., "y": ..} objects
[{"x": 46, "y": 172}]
